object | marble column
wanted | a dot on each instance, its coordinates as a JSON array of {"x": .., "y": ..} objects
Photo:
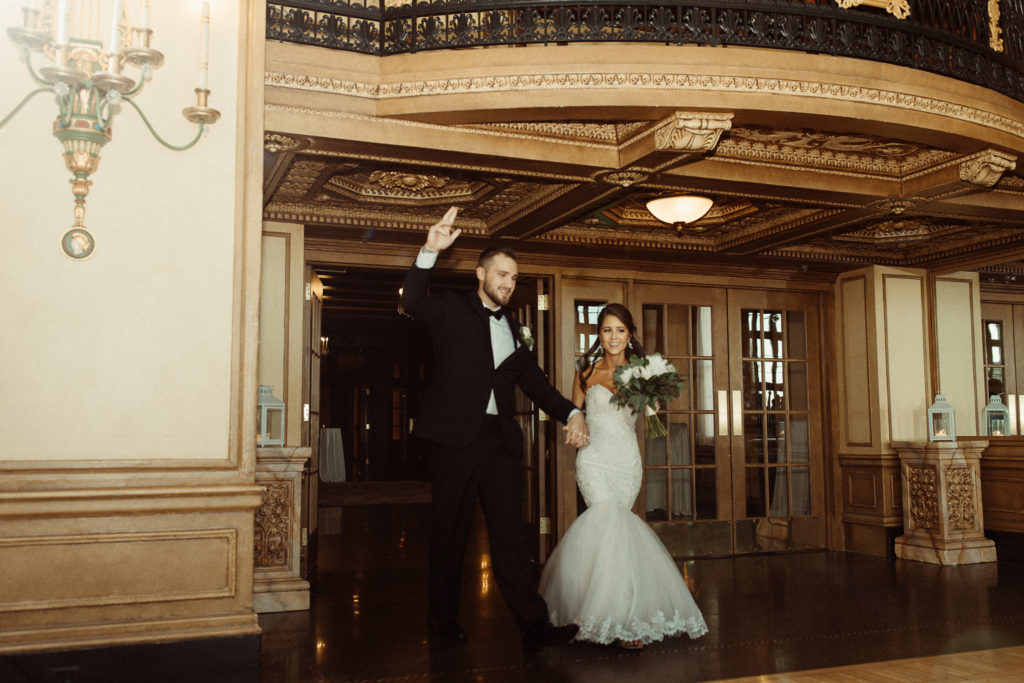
[{"x": 942, "y": 512}]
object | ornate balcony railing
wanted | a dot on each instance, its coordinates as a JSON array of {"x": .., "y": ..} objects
[{"x": 977, "y": 41}]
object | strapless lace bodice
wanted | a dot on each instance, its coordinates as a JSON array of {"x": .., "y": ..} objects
[{"x": 609, "y": 469}]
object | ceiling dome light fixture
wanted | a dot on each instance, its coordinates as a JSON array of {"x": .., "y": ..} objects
[{"x": 679, "y": 210}]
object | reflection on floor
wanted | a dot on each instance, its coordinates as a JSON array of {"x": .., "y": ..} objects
[{"x": 767, "y": 614}]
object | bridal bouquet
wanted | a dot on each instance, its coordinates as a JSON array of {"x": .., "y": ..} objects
[{"x": 642, "y": 382}]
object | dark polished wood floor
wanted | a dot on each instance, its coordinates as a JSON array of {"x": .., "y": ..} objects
[{"x": 767, "y": 614}]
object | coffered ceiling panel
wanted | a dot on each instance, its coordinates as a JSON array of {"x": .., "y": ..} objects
[{"x": 817, "y": 199}]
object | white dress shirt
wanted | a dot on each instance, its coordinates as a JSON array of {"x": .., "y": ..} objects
[{"x": 502, "y": 343}]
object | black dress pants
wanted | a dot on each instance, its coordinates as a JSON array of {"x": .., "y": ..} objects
[{"x": 485, "y": 468}]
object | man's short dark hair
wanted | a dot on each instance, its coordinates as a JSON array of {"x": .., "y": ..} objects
[{"x": 491, "y": 252}]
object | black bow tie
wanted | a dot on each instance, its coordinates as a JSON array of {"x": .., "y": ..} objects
[{"x": 497, "y": 313}]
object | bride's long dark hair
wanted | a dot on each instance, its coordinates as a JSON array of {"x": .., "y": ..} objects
[{"x": 596, "y": 352}]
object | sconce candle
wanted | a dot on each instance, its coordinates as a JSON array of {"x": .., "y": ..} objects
[
  {"x": 115, "y": 28},
  {"x": 144, "y": 15},
  {"x": 63, "y": 17},
  {"x": 204, "y": 47}
]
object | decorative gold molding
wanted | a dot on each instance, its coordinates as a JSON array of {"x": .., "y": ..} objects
[
  {"x": 859, "y": 153},
  {"x": 275, "y": 142},
  {"x": 308, "y": 212},
  {"x": 898, "y": 8},
  {"x": 995, "y": 41},
  {"x": 685, "y": 82},
  {"x": 900, "y": 231},
  {"x": 624, "y": 178},
  {"x": 608, "y": 133}
]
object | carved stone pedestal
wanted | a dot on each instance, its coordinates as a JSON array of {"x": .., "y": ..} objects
[
  {"x": 942, "y": 514},
  {"x": 277, "y": 585}
]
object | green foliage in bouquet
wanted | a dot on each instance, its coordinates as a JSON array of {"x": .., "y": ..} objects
[{"x": 642, "y": 383}]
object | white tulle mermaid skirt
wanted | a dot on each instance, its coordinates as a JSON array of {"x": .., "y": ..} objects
[{"x": 611, "y": 575}]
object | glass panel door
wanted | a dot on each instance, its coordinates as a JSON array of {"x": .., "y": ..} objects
[
  {"x": 740, "y": 468},
  {"x": 687, "y": 478},
  {"x": 778, "y": 498}
]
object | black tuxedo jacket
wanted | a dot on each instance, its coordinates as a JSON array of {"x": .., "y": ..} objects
[{"x": 453, "y": 408}]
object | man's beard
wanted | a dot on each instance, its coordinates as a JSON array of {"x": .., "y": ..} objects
[{"x": 494, "y": 295}]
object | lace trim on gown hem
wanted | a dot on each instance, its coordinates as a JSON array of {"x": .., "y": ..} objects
[{"x": 606, "y": 632}]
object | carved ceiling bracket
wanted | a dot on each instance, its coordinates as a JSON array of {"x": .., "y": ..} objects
[
  {"x": 275, "y": 142},
  {"x": 986, "y": 168},
  {"x": 691, "y": 132}
]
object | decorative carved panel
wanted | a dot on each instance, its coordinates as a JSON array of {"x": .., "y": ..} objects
[
  {"x": 960, "y": 497},
  {"x": 272, "y": 533},
  {"x": 924, "y": 501}
]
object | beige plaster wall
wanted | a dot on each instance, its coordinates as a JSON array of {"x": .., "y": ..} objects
[
  {"x": 959, "y": 352},
  {"x": 282, "y": 297},
  {"x": 902, "y": 317},
  {"x": 128, "y": 353}
]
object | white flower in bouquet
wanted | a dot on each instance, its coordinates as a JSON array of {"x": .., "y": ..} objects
[{"x": 642, "y": 383}]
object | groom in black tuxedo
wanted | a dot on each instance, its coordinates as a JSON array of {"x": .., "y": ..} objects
[{"x": 467, "y": 412}]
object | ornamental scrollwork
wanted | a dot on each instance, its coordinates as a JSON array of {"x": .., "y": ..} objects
[
  {"x": 995, "y": 41},
  {"x": 960, "y": 498},
  {"x": 924, "y": 499},
  {"x": 692, "y": 133},
  {"x": 987, "y": 168},
  {"x": 898, "y": 8},
  {"x": 275, "y": 142},
  {"x": 271, "y": 536}
]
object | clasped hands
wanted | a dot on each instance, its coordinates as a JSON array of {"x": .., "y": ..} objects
[{"x": 576, "y": 432}]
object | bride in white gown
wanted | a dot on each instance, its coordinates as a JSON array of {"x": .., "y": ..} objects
[{"x": 610, "y": 574}]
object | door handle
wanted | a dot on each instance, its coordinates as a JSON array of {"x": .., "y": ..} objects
[
  {"x": 723, "y": 413},
  {"x": 737, "y": 413}
]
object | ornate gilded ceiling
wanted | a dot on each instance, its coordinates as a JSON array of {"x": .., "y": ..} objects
[{"x": 819, "y": 199}]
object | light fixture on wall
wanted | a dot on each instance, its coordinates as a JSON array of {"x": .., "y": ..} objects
[
  {"x": 679, "y": 210},
  {"x": 86, "y": 78}
]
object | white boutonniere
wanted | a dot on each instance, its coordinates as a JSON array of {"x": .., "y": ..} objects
[{"x": 526, "y": 337}]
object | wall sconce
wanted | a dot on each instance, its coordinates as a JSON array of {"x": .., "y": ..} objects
[
  {"x": 325, "y": 346},
  {"x": 679, "y": 210},
  {"x": 997, "y": 417},
  {"x": 941, "y": 423},
  {"x": 87, "y": 81},
  {"x": 269, "y": 418}
]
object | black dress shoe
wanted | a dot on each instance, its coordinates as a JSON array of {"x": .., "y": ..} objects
[
  {"x": 543, "y": 634},
  {"x": 449, "y": 630}
]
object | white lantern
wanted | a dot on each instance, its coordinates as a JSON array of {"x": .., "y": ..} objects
[
  {"x": 997, "y": 417},
  {"x": 269, "y": 418},
  {"x": 941, "y": 425}
]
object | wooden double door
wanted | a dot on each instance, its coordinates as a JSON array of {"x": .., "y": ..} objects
[{"x": 741, "y": 467}]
